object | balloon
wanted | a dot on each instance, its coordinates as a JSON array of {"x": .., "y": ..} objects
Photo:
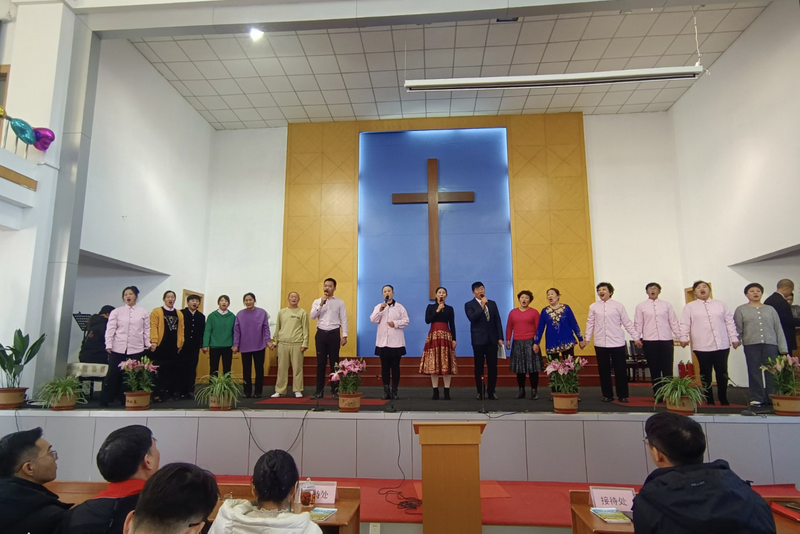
[
  {"x": 24, "y": 131},
  {"x": 2, "y": 113},
  {"x": 44, "y": 136}
]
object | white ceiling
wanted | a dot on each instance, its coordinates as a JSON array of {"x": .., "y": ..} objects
[{"x": 348, "y": 74}]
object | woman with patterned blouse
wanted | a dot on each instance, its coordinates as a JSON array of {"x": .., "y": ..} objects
[{"x": 561, "y": 326}]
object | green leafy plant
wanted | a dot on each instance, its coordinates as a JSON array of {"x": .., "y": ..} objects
[
  {"x": 348, "y": 374},
  {"x": 225, "y": 388},
  {"x": 786, "y": 373},
  {"x": 563, "y": 374},
  {"x": 52, "y": 391},
  {"x": 14, "y": 358},
  {"x": 139, "y": 374},
  {"x": 672, "y": 388}
]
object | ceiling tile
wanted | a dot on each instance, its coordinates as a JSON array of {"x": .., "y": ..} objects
[
  {"x": 589, "y": 99},
  {"x": 440, "y": 37},
  {"x": 738, "y": 19},
  {"x": 212, "y": 70},
  {"x": 226, "y": 87},
  {"x": 254, "y": 124},
  {"x": 286, "y": 99},
  {"x": 294, "y": 112},
  {"x": 270, "y": 113},
  {"x": 197, "y": 50},
  {"x": 535, "y": 32},
  {"x": 636, "y": 25},
  {"x": 291, "y": 65},
  {"x": 411, "y": 39},
  {"x": 512, "y": 102},
  {"x": 352, "y": 63},
  {"x": 523, "y": 70},
  {"x": 165, "y": 72},
  {"x": 602, "y": 27},
  {"x": 182, "y": 89},
  {"x": 389, "y": 108},
  {"x": 224, "y": 115},
  {"x": 263, "y": 100},
  {"x": 707, "y": 21},
  {"x": 227, "y": 48},
  {"x": 196, "y": 104},
  {"x": 414, "y": 59},
  {"x": 377, "y": 41},
  {"x": 438, "y": 106},
  {"x": 386, "y": 94},
  {"x": 633, "y": 86},
  {"x": 471, "y": 36},
  {"x": 636, "y": 108},
  {"x": 654, "y": 45},
  {"x": 212, "y": 102},
  {"x": 439, "y": 58},
  {"x": 361, "y": 95},
  {"x": 585, "y": 65},
  {"x": 685, "y": 44},
  {"x": 487, "y": 104},
  {"x": 330, "y": 81},
  {"x": 611, "y": 64},
  {"x": 552, "y": 68},
  {"x": 288, "y": 45},
  {"x": 669, "y": 95},
  {"x": 592, "y": 49},
  {"x": 240, "y": 68},
  {"x": 468, "y": 57},
  {"x": 526, "y": 54},
  {"x": 347, "y": 43},
  {"x": 664, "y": 106},
  {"x": 498, "y": 55},
  {"x": 459, "y": 105},
  {"x": 642, "y": 62},
  {"x": 247, "y": 114},
  {"x": 359, "y": 80},
  {"x": 237, "y": 125},
  {"x": 365, "y": 109},
  {"x": 616, "y": 98},
  {"x": 317, "y": 111},
  {"x": 200, "y": 87},
  {"x": 185, "y": 70},
  {"x": 316, "y": 45},
  {"x": 414, "y": 106},
  {"x": 336, "y": 97},
  {"x": 304, "y": 83},
  {"x": 147, "y": 52},
  {"x": 251, "y": 85},
  {"x": 384, "y": 79},
  {"x": 595, "y": 89},
  {"x": 642, "y": 96},
  {"x": 380, "y": 61},
  {"x": 559, "y": 51},
  {"x": 207, "y": 116},
  {"x": 341, "y": 110},
  {"x": 466, "y": 72},
  {"x": 494, "y": 70},
  {"x": 569, "y": 90},
  {"x": 277, "y": 84},
  {"x": 670, "y": 23},
  {"x": 168, "y": 51},
  {"x": 719, "y": 42},
  {"x": 708, "y": 59},
  {"x": 542, "y": 91},
  {"x": 672, "y": 61},
  {"x": 568, "y": 29},
  {"x": 276, "y": 123},
  {"x": 323, "y": 64},
  {"x": 563, "y": 101},
  {"x": 624, "y": 47},
  {"x": 606, "y": 110},
  {"x": 256, "y": 49},
  {"x": 503, "y": 34}
]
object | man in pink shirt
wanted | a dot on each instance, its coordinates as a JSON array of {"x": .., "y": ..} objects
[
  {"x": 331, "y": 316},
  {"x": 605, "y": 321},
  {"x": 656, "y": 325}
]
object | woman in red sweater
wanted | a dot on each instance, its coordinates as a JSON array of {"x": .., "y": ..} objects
[{"x": 521, "y": 326}]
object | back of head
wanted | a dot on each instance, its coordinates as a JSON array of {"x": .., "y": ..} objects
[
  {"x": 785, "y": 283},
  {"x": 123, "y": 451},
  {"x": 16, "y": 449},
  {"x": 274, "y": 476},
  {"x": 177, "y": 497},
  {"x": 678, "y": 437}
]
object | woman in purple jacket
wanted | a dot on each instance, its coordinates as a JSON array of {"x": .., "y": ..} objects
[{"x": 250, "y": 338}]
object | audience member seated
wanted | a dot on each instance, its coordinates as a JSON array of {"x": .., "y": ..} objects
[
  {"x": 93, "y": 347},
  {"x": 275, "y": 480},
  {"x": 176, "y": 500},
  {"x": 126, "y": 459},
  {"x": 27, "y": 461},
  {"x": 685, "y": 495}
]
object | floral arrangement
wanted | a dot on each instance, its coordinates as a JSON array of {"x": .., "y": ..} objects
[
  {"x": 786, "y": 370},
  {"x": 563, "y": 374},
  {"x": 139, "y": 374},
  {"x": 348, "y": 375}
]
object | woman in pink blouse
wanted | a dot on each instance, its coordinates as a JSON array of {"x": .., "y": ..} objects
[
  {"x": 521, "y": 326},
  {"x": 709, "y": 325},
  {"x": 127, "y": 337},
  {"x": 390, "y": 342}
]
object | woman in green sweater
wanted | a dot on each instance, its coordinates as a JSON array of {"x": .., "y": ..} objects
[{"x": 218, "y": 336}]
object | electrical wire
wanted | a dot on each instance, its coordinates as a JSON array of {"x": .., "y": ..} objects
[
  {"x": 403, "y": 503},
  {"x": 253, "y": 437}
]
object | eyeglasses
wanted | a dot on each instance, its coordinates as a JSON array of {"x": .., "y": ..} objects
[
  {"x": 53, "y": 453},
  {"x": 646, "y": 442}
]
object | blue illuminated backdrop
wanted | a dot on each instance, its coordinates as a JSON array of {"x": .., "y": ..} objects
[{"x": 475, "y": 238}]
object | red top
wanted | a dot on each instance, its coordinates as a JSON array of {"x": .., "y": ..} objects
[
  {"x": 522, "y": 324},
  {"x": 117, "y": 490}
]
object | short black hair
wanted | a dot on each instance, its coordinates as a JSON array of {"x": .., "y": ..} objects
[
  {"x": 106, "y": 309},
  {"x": 554, "y": 290},
  {"x": 18, "y": 448},
  {"x": 274, "y": 476},
  {"x": 440, "y": 287},
  {"x": 123, "y": 451},
  {"x": 333, "y": 281},
  {"x": 651, "y": 284},
  {"x": 177, "y": 495},
  {"x": 525, "y": 292},
  {"x": 694, "y": 286},
  {"x": 389, "y": 286},
  {"x": 476, "y": 285},
  {"x": 167, "y": 292},
  {"x": 193, "y": 297},
  {"x": 608, "y": 285},
  {"x": 249, "y": 295},
  {"x": 226, "y": 297},
  {"x": 678, "y": 437},
  {"x": 132, "y": 288},
  {"x": 748, "y": 287}
]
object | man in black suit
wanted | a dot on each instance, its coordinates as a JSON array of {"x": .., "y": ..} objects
[
  {"x": 778, "y": 301},
  {"x": 487, "y": 334}
]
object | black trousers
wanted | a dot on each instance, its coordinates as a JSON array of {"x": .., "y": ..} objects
[
  {"x": 660, "y": 357},
  {"x": 328, "y": 344},
  {"x": 390, "y": 367},
  {"x": 187, "y": 370},
  {"x": 112, "y": 383},
  {"x": 534, "y": 380},
  {"x": 248, "y": 358},
  {"x": 488, "y": 354},
  {"x": 214, "y": 355},
  {"x": 608, "y": 358},
  {"x": 168, "y": 378},
  {"x": 718, "y": 361}
]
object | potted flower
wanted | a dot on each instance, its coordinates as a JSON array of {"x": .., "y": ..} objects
[
  {"x": 563, "y": 376},
  {"x": 139, "y": 379},
  {"x": 61, "y": 393},
  {"x": 682, "y": 394},
  {"x": 786, "y": 377},
  {"x": 220, "y": 392},
  {"x": 13, "y": 360},
  {"x": 348, "y": 374}
]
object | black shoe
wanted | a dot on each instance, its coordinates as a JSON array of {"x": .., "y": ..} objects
[
  {"x": 624, "y": 400},
  {"x": 386, "y": 393},
  {"x": 479, "y": 397},
  {"x": 608, "y": 399},
  {"x": 394, "y": 394},
  {"x": 492, "y": 396},
  {"x": 334, "y": 396},
  {"x": 257, "y": 396},
  {"x": 435, "y": 394},
  {"x": 446, "y": 393},
  {"x": 724, "y": 403},
  {"x": 104, "y": 405},
  {"x": 246, "y": 395},
  {"x": 521, "y": 394},
  {"x": 318, "y": 395},
  {"x": 534, "y": 394}
]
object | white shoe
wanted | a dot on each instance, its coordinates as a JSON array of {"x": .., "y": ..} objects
[
  {"x": 276, "y": 395},
  {"x": 298, "y": 394}
]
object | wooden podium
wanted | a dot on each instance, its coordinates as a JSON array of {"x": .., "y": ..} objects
[{"x": 451, "y": 476}]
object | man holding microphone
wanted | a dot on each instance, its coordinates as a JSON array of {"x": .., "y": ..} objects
[{"x": 331, "y": 316}]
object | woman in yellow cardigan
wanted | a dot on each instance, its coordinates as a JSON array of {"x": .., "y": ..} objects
[{"x": 166, "y": 341}]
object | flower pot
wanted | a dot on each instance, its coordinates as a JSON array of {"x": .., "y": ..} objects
[
  {"x": 64, "y": 403},
  {"x": 349, "y": 402},
  {"x": 12, "y": 398},
  {"x": 684, "y": 407},
  {"x": 786, "y": 405},
  {"x": 215, "y": 405},
  {"x": 565, "y": 402},
  {"x": 137, "y": 400}
]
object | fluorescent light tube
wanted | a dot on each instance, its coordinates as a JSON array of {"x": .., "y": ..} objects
[{"x": 557, "y": 80}]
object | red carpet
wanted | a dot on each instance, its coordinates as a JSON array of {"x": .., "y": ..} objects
[
  {"x": 308, "y": 401},
  {"x": 528, "y": 503}
]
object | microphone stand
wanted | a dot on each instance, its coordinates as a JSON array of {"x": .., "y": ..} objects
[
  {"x": 483, "y": 396},
  {"x": 749, "y": 411}
]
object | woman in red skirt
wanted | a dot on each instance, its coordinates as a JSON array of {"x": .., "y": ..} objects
[{"x": 439, "y": 354}]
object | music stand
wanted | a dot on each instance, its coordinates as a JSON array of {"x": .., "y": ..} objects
[{"x": 83, "y": 322}]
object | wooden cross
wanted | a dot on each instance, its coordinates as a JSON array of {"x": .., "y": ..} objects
[{"x": 433, "y": 198}]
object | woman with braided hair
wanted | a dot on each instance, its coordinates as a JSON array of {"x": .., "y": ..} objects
[{"x": 275, "y": 480}]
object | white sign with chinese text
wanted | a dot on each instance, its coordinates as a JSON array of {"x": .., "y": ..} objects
[
  {"x": 326, "y": 492},
  {"x": 610, "y": 497}
]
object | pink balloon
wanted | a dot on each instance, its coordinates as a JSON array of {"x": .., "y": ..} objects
[{"x": 44, "y": 136}]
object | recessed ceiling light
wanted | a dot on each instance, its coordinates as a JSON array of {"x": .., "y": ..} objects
[{"x": 256, "y": 34}]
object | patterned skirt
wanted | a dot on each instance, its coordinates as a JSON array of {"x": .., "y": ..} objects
[
  {"x": 523, "y": 359},
  {"x": 438, "y": 356}
]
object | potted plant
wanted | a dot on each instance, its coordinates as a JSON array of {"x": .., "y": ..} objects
[
  {"x": 220, "y": 392},
  {"x": 682, "y": 395},
  {"x": 139, "y": 379},
  {"x": 786, "y": 376},
  {"x": 348, "y": 374},
  {"x": 61, "y": 393},
  {"x": 563, "y": 376},
  {"x": 13, "y": 360}
]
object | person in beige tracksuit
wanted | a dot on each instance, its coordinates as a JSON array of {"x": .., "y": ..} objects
[{"x": 291, "y": 338}]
